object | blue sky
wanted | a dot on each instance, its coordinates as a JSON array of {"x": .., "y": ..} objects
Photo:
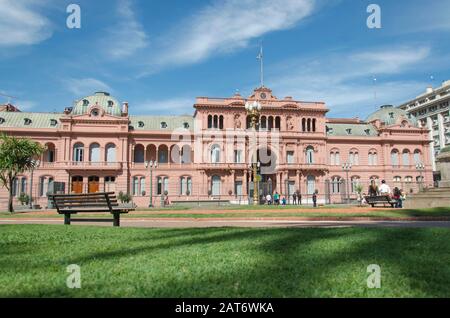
[{"x": 160, "y": 55}]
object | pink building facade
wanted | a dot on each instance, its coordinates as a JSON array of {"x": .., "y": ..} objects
[{"x": 96, "y": 145}]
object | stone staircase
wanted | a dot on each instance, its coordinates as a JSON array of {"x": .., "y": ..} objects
[{"x": 428, "y": 198}]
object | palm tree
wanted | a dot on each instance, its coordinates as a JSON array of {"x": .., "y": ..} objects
[{"x": 16, "y": 156}]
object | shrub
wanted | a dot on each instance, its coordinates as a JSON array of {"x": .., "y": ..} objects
[{"x": 24, "y": 198}]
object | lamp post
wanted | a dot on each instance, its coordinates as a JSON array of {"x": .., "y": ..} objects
[
  {"x": 151, "y": 164},
  {"x": 347, "y": 167},
  {"x": 253, "y": 110},
  {"x": 36, "y": 164},
  {"x": 420, "y": 167}
]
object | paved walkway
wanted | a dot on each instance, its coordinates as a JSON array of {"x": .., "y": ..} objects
[{"x": 174, "y": 223}]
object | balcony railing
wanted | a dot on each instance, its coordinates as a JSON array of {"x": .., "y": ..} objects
[{"x": 85, "y": 165}]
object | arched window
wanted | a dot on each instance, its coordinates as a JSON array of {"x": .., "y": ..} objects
[
  {"x": 309, "y": 124},
  {"x": 49, "y": 154},
  {"x": 314, "y": 125},
  {"x": 373, "y": 158},
  {"x": 185, "y": 186},
  {"x": 397, "y": 179},
  {"x": 215, "y": 154},
  {"x": 162, "y": 185},
  {"x": 310, "y": 184},
  {"x": 220, "y": 122},
  {"x": 405, "y": 157},
  {"x": 209, "y": 121},
  {"x": 310, "y": 155},
  {"x": 335, "y": 159},
  {"x": 417, "y": 156},
  {"x": 394, "y": 158},
  {"x": 270, "y": 122},
  {"x": 303, "y": 124},
  {"x": 215, "y": 185},
  {"x": 110, "y": 153},
  {"x": 354, "y": 157},
  {"x": 139, "y": 154},
  {"x": 356, "y": 181},
  {"x": 94, "y": 152},
  {"x": 278, "y": 122},
  {"x": 45, "y": 183},
  {"x": 186, "y": 154},
  {"x": 215, "y": 121},
  {"x": 263, "y": 121},
  {"x": 163, "y": 154},
  {"x": 78, "y": 152},
  {"x": 336, "y": 185},
  {"x": 138, "y": 186}
]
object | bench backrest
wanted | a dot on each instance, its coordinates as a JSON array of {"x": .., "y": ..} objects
[
  {"x": 101, "y": 201},
  {"x": 378, "y": 198}
]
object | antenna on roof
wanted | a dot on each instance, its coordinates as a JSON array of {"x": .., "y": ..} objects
[
  {"x": 260, "y": 57},
  {"x": 9, "y": 97}
]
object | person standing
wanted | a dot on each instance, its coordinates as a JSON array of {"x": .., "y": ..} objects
[
  {"x": 314, "y": 198},
  {"x": 294, "y": 198},
  {"x": 299, "y": 197},
  {"x": 397, "y": 197}
]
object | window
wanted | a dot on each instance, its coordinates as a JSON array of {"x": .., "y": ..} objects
[
  {"x": 163, "y": 125},
  {"x": 238, "y": 156},
  {"x": 95, "y": 112},
  {"x": 215, "y": 185},
  {"x": 356, "y": 181},
  {"x": 354, "y": 157},
  {"x": 215, "y": 154},
  {"x": 185, "y": 125},
  {"x": 367, "y": 131},
  {"x": 53, "y": 122},
  {"x": 372, "y": 158},
  {"x": 85, "y": 102},
  {"x": 139, "y": 154},
  {"x": 408, "y": 179},
  {"x": 405, "y": 158},
  {"x": 335, "y": 158},
  {"x": 163, "y": 185},
  {"x": 140, "y": 124},
  {"x": 336, "y": 183},
  {"x": 110, "y": 184},
  {"x": 2, "y": 120},
  {"x": 19, "y": 186},
  {"x": 349, "y": 131},
  {"x": 417, "y": 157},
  {"x": 110, "y": 153},
  {"x": 310, "y": 184},
  {"x": 290, "y": 157},
  {"x": 309, "y": 155},
  {"x": 27, "y": 121},
  {"x": 394, "y": 158},
  {"x": 94, "y": 152},
  {"x": 397, "y": 179},
  {"x": 44, "y": 185},
  {"x": 185, "y": 186},
  {"x": 238, "y": 189},
  {"x": 78, "y": 152},
  {"x": 138, "y": 186}
]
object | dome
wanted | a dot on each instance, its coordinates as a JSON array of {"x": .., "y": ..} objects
[
  {"x": 102, "y": 99},
  {"x": 389, "y": 115}
]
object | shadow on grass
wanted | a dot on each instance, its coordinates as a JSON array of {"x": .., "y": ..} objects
[{"x": 293, "y": 262}]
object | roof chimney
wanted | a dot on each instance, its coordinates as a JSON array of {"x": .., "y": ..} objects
[
  {"x": 429, "y": 89},
  {"x": 124, "y": 108}
]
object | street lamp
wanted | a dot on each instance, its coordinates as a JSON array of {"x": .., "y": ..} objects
[
  {"x": 253, "y": 110},
  {"x": 36, "y": 164},
  {"x": 420, "y": 167},
  {"x": 151, "y": 164},
  {"x": 347, "y": 167}
]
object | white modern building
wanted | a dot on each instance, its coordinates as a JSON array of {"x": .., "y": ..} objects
[{"x": 432, "y": 111}]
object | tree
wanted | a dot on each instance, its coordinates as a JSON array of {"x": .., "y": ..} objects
[{"x": 16, "y": 156}]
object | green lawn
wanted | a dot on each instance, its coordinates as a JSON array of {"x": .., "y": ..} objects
[
  {"x": 223, "y": 262},
  {"x": 393, "y": 213}
]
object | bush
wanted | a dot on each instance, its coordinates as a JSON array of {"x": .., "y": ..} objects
[
  {"x": 124, "y": 197},
  {"x": 24, "y": 198}
]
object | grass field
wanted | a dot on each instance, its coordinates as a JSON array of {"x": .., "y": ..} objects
[
  {"x": 253, "y": 213},
  {"x": 223, "y": 262}
]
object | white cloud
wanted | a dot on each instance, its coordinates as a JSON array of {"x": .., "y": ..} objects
[
  {"x": 171, "y": 106},
  {"x": 344, "y": 81},
  {"x": 85, "y": 86},
  {"x": 128, "y": 36},
  {"x": 26, "y": 105},
  {"x": 229, "y": 25},
  {"x": 22, "y": 24}
]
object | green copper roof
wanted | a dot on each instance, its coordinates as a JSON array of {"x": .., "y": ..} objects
[
  {"x": 389, "y": 114},
  {"x": 156, "y": 122},
  {"x": 334, "y": 129},
  {"x": 445, "y": 149},
  {"x": 29, "y": 120},
  {"x": 102, "y": 99}
]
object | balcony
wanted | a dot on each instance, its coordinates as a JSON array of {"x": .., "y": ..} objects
[{"x": 82, "y": 165}]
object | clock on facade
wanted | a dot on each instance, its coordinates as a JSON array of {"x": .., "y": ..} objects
[{"x": 263, "y": 95}]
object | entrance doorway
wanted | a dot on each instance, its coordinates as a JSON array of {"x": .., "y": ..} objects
[
  {"x": 77, "y": 184},
  {"x": 93, "y": 184}
]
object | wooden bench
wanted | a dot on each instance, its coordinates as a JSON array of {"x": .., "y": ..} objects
[
  {"x": 380, "y": 199},
  {"x": 69, "y": 204}
]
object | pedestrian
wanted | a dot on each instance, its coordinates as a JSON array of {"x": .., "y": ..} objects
[
  {"x": 276, "y": 198},
  {"x": 283, "y": 201},
  {"x": 314, "y": 198},
  {"x": 397, "y": 197},
  {"x": 294, "y": 198},
  {"x": 269, "y": 199},
  {"x": 299, "y": 197}
]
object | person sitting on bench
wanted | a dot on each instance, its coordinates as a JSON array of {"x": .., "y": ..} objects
[
  {"x": 385, "y": 189},
  {"x": 373, "y": 189}
]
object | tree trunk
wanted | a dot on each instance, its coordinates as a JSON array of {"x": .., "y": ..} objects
[{"x": 10, "y": 199}]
